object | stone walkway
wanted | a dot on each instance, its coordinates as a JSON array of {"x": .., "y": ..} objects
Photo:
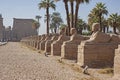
[{"x": 17, "y": 62}]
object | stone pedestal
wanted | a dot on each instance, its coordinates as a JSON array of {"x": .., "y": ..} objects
[
  {"x": 42, "y": 43},
  {"x": 37, "y": 41},
  {"x": 42, "y": 38},
  {"x": 49, "y": 42},
  {"x": 98, "y": 51},
  {"x": 117, "y": 63},
  {"x": 96, "y": 55},
  {"x": 56, "y": 45},
  {"x": 31, "y": 41},
  {"x": 69, "y": 49}
]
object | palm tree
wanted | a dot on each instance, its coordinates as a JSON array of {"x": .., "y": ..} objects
[
  {"x": 62, "y": 26},
  {"x": 38, "y": 17},
  {"x": 72, "y": 13},
  {"x": 114, "y": 21},
  {"x": 100, "y": 10},
  {"x": 36, "y": 25},
  {"x": 46, "y": 4},
  {"x": 78, "y": 2},
  {"x": 52, "y": 27},
  {"x": 105, "y": 25},
  {"x": 56, "y": 21},
  {"x": 45, "y": 18},
  {"x": 80, "y": 26},
  {"x": 92, "y": 18},
  {"x": 67, "y": 13}
]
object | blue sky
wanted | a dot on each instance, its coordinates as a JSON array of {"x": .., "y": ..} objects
[{"x": 29, "y": 9}]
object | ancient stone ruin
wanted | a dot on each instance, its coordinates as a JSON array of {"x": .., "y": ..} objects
[
  {"x": 117, "y": 63},
  {"x": 49, "y": 42},
  {"x": 98, "y": 51},
  {"x": 42, "y": 38},
  {"x": 56, "y": 45},
  {"x": 69, "y": 48},
  {"x": 42, "y": 43}
]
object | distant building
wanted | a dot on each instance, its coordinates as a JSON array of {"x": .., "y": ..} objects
[
  {"x": 8, "y": 33},
  {"x": 21, "y": 28},
  {"x": 2, "y": 29}
]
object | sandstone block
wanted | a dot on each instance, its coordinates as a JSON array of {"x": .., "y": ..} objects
[{"x": 56, "y": 46}]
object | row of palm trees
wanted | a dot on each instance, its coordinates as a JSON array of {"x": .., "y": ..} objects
[
  {"x": 46, "y": 4},
  {"x": 97, "y": 15},
  {"x": 55, "y": 22},
  {"x": 114, "y": 21},
  {"x": 36, "y": 23}
]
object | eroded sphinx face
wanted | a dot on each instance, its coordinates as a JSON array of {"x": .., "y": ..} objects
[
  {"x": 95, "y": 27},
  {"x": 62, "y": 31},
  {"x": 73, "y": 31}
]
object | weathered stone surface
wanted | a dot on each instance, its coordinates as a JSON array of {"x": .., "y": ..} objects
[
  {"x": 35, "y": 38},
  {"x": 49, "y": 42},
  {"x": 42, "y": 38},
  {"x": 98, "y": 51},
  {"x": 96, "y": 55},
  {"x": 117, "y": 63},
  {"x": 99, "y": 37},
  {"x": 115, "y": 38},
  {"x": 38, "y": 38},
  {"x": 42, "y": 43},
  {"x": 31, "y": 41},
  {"x": 56, "y": 45},
  {"x": 69, "y": 48},
  {"x": 95, "y": 27}
]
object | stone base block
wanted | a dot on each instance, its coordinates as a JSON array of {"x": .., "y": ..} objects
[
  {"x": 117, "y": 62},
  {"x": 96, "y": 55},
  {"x": 56, "y": 48},
  {"x": 69, "y": 51},
  {"x": 48, "y": 46},
  {"x": 42, "y": 44},
  {"x": 49, "y": 42}
]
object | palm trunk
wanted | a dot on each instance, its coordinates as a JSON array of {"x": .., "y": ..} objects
[
  {"x": 68, "y": 19},
  {"x": 47, "y": 11},
  {"x": 51, "y": 30},
  {"x": 55, "y": 29},
  {"x": 100, "y": 23},
  {"x": 38, "y": 19},
  {"x": 114, "y": 29},
  {"x": 104, "y": 29},
  {"x": 76, "y": 13},
  {"x": 107, "y": 29},
  {"x": 72, "y": 14}
]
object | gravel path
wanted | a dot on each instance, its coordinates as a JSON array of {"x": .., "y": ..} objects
[{"x": 17, "y": 62}]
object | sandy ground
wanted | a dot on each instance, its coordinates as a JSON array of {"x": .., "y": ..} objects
[{"x": 18, "y": 62}]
